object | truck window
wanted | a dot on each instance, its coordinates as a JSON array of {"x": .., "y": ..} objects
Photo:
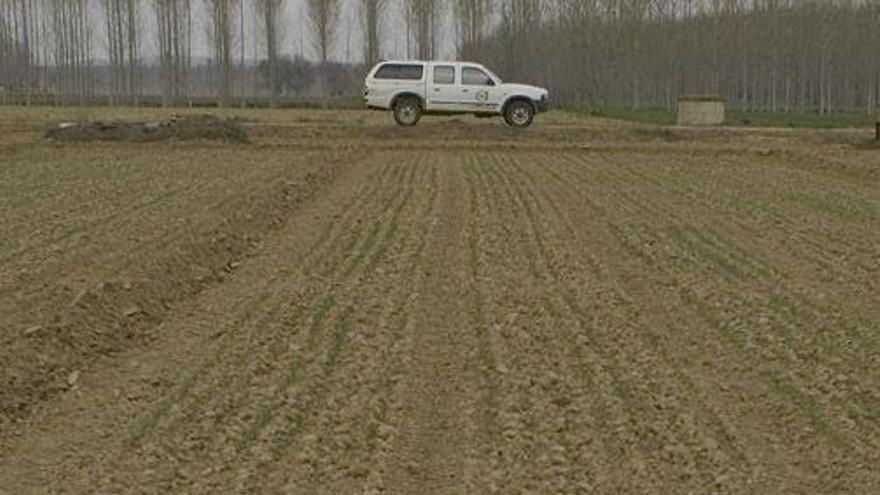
[
  {"x": 475, "y": 77},
  {"x": 444, "y": 74},
  {"x": 408, "y": 72}
]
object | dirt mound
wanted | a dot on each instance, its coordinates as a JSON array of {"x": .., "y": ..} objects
[{"x": 176, "y": 127}]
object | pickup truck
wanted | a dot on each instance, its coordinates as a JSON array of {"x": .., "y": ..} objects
[{"x": 411, "y": 89}]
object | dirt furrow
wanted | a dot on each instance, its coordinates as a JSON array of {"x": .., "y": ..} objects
[
  {"x": 120, "y": 313},
  {"x": 632, "y": 394},
  {"x": 345, "y": 306},
  {"x": 531, "y": 387},
  {"x": 332, "y": 230},
  {"x": 346, "y": 374},
  {"x": 588, "y": 240},
  {"x": 430, "y": 452},
  {"x": 188, "y": 377},
  {"x": 344, "y": 444},
  {"x": 636, "y": 246},
  {"x": 701, "y": 247},
  {"x": 280, "y": 361},
  {"x": 96, "y": 220},
  {"x": 559, "y": 375},
  {"x": 779, "y": 310},
  {"x": 735, "y": 177},
  {"x": 579, "y": 236},
  {"x": 488, "y": 364},
  {"x": 680, "y": 347}
]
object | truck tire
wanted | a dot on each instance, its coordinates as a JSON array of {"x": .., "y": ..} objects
[
  {"x": 520, "y": 114},
  {"x": 407, "y": 111}
]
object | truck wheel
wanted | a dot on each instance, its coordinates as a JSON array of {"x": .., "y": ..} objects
[
  {"x": 519, "y": 114},
  {"x": 407, "y": 111}
]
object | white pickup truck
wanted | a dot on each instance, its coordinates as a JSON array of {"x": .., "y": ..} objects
[{"x": 411, "y": 89}]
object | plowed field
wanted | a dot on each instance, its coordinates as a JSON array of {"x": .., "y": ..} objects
[{"x": 346, "y": 307}]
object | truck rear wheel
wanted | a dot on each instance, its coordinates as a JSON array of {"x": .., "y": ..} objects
[
  {"x": 519, "y": 114},
  {"x": 407, "y": 111}
]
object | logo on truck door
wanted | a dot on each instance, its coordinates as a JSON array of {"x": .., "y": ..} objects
[{"x": 482, "y": 96}]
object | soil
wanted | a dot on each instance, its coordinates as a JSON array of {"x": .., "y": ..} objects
[{"x": 344, "y": 306}]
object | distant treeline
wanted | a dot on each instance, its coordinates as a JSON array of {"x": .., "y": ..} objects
[
  {"x": 298, "y": 83},
  {"x": 776, "y": 55},
  {"x": 50, "y": 52}
]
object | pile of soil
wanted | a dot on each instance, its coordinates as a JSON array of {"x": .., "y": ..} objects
[{"x": 176, "y": 127}]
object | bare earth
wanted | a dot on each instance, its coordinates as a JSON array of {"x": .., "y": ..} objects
[{"x": 343, "y": 306}]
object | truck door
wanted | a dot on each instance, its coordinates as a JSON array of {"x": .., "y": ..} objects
[
  {"x": 443, "y": 94},
  {"x": 478, "y": 91}
]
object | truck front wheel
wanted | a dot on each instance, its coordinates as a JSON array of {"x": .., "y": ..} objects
[
  {"x": 519, "y": 114},
  {"x": 407, "y": 111}
]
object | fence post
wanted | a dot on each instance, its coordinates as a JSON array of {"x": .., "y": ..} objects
[{"x": 877, "y": 132}]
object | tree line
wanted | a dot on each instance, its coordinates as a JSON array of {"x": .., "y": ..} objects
[
  {"x": 775, "y": 55},
  {"x": 763, "y": 55}
]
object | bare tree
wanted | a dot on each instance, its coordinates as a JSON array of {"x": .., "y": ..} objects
[
  {"x": 8, "y": 48},
  {"x": 222, "y": 32},
  {"x": 871, "y": 33},
  {"x": 520, "y": 21},
  {"x": 242, "y": 80},
  {"x": 422, "y": 18},
  {"x": 19, "y": 46},
  {"x": 472, "y": 23},
  {"x": 174, "y": 24},
  {"x": 371, "y": 15},
  {"x": 123, "y": 45},
  {"x": 72, "y": 48},
  {"x": 270, "y": 10},
  {"x": 323, "y": 17}
]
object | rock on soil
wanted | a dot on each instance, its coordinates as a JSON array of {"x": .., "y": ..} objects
[
  {"x": 33, "y": 329},
  {"x": 73, "y": 378}
]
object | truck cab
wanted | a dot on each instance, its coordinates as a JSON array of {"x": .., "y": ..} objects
[{"x": 412, "y": 89}]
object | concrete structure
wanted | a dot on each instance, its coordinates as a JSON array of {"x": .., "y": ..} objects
[{"x": 701, "y": 111}]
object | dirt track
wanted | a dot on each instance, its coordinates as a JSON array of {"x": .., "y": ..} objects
[{"x": 347, "y": 307}]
